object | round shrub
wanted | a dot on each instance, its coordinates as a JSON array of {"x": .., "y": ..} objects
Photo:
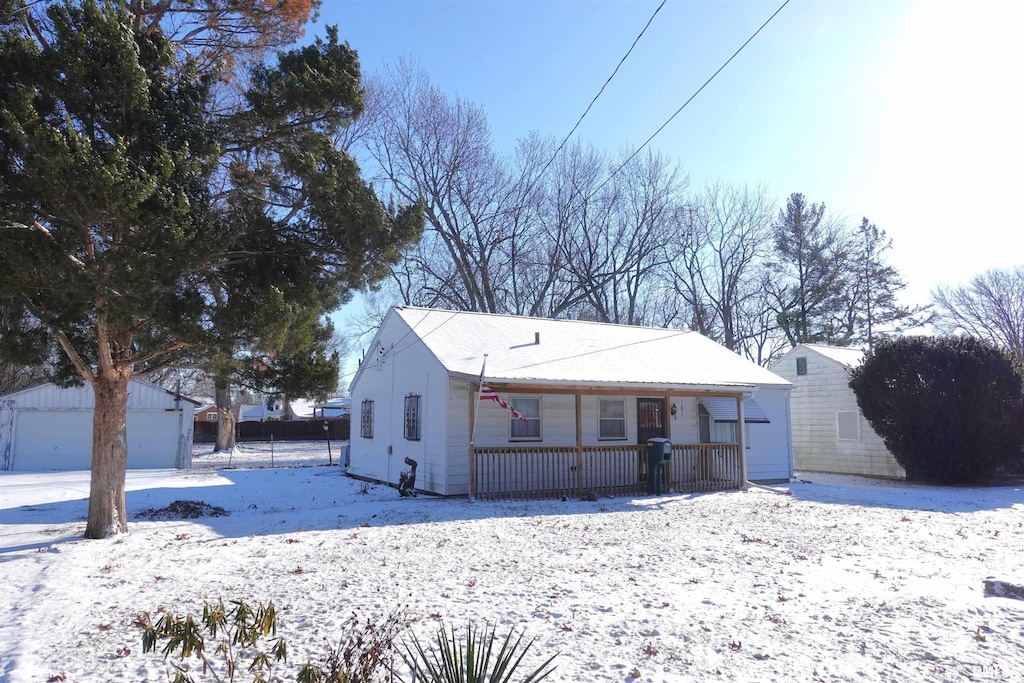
[{"x": 950, "y": 409}]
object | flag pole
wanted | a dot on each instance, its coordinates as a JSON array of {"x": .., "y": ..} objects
[{"x": 475, "y": 407}]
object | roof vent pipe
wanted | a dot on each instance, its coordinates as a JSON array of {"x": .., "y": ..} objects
[{"x": 536, "y": 337}]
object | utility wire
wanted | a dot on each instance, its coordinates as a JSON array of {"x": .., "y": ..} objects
[
  {"x": 589, "y": 106},
  {"x": 694, "y": 95}
]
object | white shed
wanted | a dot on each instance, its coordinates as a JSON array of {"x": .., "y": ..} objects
[
  {"x": 829, "y": 432},
  {"x": 591, "y": 395},
  {"x": 48, "y": 427}
]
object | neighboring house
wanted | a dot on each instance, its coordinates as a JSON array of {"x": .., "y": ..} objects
[
  {"x": 48, "y": 427},
  {"x": 259, "y": 412},
  {"x": 591, "y": 393},
  {"x": 333, "y": 407},
  {"x": 829, "y": 432},
  {"x": 206, "y": 412}
]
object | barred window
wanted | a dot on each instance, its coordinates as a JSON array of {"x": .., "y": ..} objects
[
  {"x": 366, "y": 420},
  {"x": 412, "y": 417}
]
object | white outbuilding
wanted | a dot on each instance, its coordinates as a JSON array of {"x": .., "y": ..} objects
[
  {"x": 587, "y": 398},
  {"x": 829, "y": 432},
  {"x": 48, "y": 427}
]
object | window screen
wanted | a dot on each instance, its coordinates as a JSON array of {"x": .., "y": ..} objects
[{"x": 801, "y": 365}]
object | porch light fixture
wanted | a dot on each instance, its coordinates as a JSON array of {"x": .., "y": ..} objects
[{"x": 673, "y": 410}]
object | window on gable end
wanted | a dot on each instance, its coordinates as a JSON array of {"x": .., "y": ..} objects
[
  {"x": 366, "y": 419},
  {"x": 412, "y": 417}
]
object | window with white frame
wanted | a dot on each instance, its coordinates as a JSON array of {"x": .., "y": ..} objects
[
  {"x": 366, "y": 420},
  {"x": 528, "y": 407},
  {"x": 211, "y": 416},
  {"x": 412, "y": 417},
  {"x": 847, "y": 425},
  {"x": 611, "y": 418}
]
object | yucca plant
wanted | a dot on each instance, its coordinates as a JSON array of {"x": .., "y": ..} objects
[{"x": 474, "y": 660}]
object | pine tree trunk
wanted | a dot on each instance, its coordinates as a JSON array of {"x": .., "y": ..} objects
[
  {"x": 107, "y": 513},
  {"x": 225, "y": 417}
]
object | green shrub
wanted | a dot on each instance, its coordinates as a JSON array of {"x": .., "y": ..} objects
[
  {"x": 241, "y": 633},
  {"x": 950, "y": 410},
  {"x": 473, "y": 661}
]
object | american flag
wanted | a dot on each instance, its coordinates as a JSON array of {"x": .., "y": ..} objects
[{"x": 487, "y": 394}]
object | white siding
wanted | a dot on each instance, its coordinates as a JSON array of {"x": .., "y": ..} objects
[
  {"x": 62, "y": 440},
  {"x": 817, "y": 397},
  {"x": 769, "y": 457},
  {"x": 406, "y": 367},
  {"x": 141, "y": 396},
  {"x": 50, "y": 428}
]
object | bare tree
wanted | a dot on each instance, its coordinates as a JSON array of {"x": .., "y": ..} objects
[
  {"x": 616, "y": 249},
  {"x": 432, "y": 147},
  {"x": 990, "y": 307},
  {"x": 15, "y": 376},
  {"x": 721, "y": 257}
]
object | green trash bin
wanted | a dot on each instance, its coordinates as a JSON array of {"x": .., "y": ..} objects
[{"x": 659, "y": 452}]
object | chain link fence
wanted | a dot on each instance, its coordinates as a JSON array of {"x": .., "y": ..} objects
[{"x": 273, "y": 453}]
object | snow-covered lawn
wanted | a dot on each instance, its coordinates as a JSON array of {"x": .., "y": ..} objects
[{"x": 846, "y": 580}]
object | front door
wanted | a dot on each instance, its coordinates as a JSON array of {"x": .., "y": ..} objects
[{"x": 649, "y": 414}]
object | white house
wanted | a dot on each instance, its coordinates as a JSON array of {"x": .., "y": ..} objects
[
  {"x": 829, "y": 432},
  {"x": 48, "y": 427},
  {"x": 591, "y": 394}
]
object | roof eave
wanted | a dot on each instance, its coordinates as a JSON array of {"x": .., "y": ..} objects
[{"x": 626, "y": 387}]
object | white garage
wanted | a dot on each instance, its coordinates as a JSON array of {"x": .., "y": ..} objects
[{"x": 50, "y": 428}]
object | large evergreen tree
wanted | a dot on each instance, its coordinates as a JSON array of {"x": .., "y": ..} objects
[
  {"x": 143, "y": 221},
  {"x": 871, "y": 308},
  {"x": 810, "y": 255}
]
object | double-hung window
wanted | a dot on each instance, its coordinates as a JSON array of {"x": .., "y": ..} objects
[
  {"x": 528, "y": 407},
  {"x": 611, "y": 418},
  {"x": 412, "y": 417}
]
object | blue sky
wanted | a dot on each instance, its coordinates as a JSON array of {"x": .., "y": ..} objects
[{"x": 907, "y": 112}]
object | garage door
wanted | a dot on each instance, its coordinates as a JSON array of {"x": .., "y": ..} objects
[{"x": 62, "y": 440}]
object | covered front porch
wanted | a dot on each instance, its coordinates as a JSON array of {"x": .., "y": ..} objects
[{"x": 515, "y": 471}]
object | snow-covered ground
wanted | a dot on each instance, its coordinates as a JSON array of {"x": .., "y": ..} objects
[
  {"x": 846, "y": 579},
  {"x": 255, "y": 454}
]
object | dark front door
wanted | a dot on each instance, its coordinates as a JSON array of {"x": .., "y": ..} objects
[{"x": 649, "y": 414}]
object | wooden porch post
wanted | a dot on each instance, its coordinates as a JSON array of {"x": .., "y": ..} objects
[
  {"x": 579, "y": 445},
  {"x": 741, "y": 432},
  {"x": 667, "y": 419},
  {"x": 472, "y": 456}
]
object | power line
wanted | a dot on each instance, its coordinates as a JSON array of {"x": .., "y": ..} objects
[
  {"x": 691, "y": 98},
  {"x": 609, "y": 80}
]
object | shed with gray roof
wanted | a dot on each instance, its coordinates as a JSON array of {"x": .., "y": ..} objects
[{"x": 829, "y": 432}]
